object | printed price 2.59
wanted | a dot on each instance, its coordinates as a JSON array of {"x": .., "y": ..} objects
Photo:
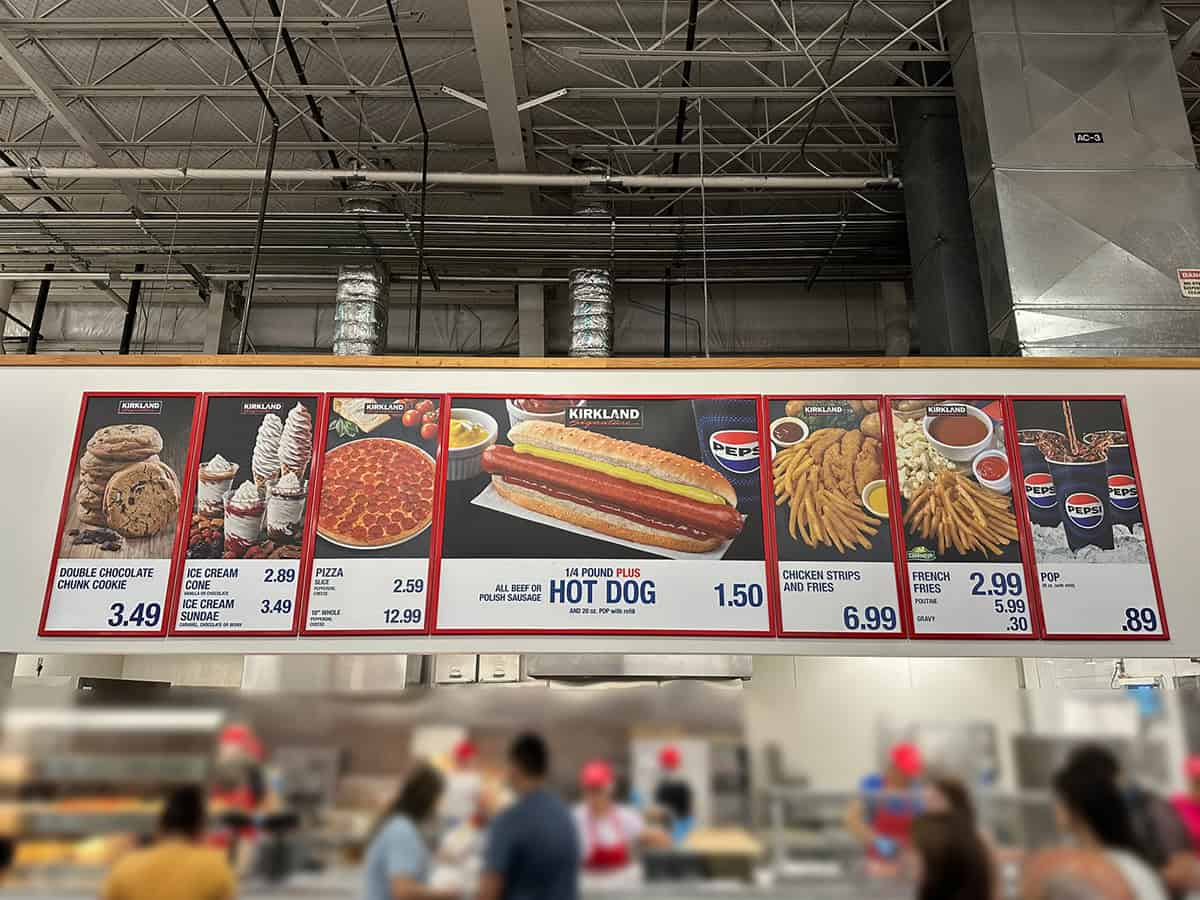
[
  {"x": 740, "y": 595},
  {"x": 143, "y": 615},
  {"x": 407, "y": 586},
  {"x": 1001, "y": 584},
  {"x": 871, "y": 618},
  {"x": 402, "y": 616}
]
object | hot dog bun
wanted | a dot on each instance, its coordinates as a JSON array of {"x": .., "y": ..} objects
[
  {"x": 639, "y": 457},
  {"x": 605, "y": 523}
]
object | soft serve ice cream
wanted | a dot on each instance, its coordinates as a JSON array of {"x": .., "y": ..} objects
[
  {"x": 244, "y": 510},
  {"x": 296, "y": 442},
  {"x": 285, "y": 510},
  {"x": 266, "y": 451},
  {"x": 215, "y": 478}
]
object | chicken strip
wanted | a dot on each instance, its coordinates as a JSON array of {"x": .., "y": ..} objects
[{"x": 868, "y": 465}]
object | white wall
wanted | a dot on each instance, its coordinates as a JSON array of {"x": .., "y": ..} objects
[
  {"x": 186, "y": 670},
  {"x": 824, "y": 713}
]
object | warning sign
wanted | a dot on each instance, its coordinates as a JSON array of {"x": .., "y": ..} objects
[{"x": 1189, "y": 283}]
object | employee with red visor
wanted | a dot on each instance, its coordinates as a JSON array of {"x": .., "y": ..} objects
[
  {"x": 609, "y": 832},
  {"x": 882, "y": 815}
]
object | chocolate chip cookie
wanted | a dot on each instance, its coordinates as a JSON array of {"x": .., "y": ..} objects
[
  {"x": 131, "y": 443},
  {"x": 141, "y": 500}
]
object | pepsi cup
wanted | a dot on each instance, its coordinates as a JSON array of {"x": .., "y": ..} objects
[
  {"x": 1039, "y": 486},
  {"x": 728, "y": 434},
  {"x": 1082, "y": 489},
  {"x": 1122, "y": 485}
]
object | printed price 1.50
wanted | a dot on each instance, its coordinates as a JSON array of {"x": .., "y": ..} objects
[
  {"x": 872, "y": 618},
  {"x": 280, "y": 607},
  {"x": 408, "y": 585},
  {"x": 740, "y": 595},
  {"x": 1000, "y": 584},
  {"x": 143, "y": 615},
  {"x": 1140, "y": 619},
  {"x": 402, "y": 616}
]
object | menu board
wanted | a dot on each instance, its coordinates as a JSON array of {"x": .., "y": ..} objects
[
  {"x": 603, "y": 514},
  {"x": 250, "y": 516},
  {"x": 121, "y": 519},
  {"x": 833, "y": 536},
  {"x": 964, "y": 572},
  {"x": 375, "y": 516},
  {"x": 1086, "y": 516}
]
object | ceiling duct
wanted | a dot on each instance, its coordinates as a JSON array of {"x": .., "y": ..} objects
[
  {"x": 591, "y": 289},
  {"x": 360, "y": 316}
]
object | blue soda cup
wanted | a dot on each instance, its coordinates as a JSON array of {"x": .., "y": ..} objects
[
  {"x": 1122, "y": 484},
  {"x": 1082, "y": 489},
  {"x": 1039, "y": 483},
  {"x": 728, "y": 434}
]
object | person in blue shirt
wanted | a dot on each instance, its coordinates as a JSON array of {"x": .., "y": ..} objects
[
  {"x": 398, "y": 861},
  {"x": 882, "y": 815},
  {"x": 532, "y": 849}
]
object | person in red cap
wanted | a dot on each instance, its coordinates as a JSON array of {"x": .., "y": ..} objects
[
  {"x": 674, "y": 794},
  {"x": 238, "y": 792},
  {"x": 882, "y": 814},
  {"x": 609, "y": 832},
  {"x": 1188, "y": 805},
  {"x": 464, "y": 785}
]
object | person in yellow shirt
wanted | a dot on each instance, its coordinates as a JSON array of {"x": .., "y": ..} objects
[{"x": 177, "y": 866}]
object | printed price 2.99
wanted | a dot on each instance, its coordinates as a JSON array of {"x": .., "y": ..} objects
[
  {"x": 1000, "y": 584},
  {"x": 402, "y": 616},
  {"x": 143, "y": 615},
  {"x": 871, "y": 618},
  {"x": 739, "y": 595}
]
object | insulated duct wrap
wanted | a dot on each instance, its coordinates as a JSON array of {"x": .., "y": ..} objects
[
  {"x": 360, "y": 316},
  {"x": 591, "y": 295}
]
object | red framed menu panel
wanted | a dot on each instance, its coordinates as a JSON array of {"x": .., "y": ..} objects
[
  {"x": 376, "y": 521},
  {"x": 602, "y": 514},
  {"x": 1082, "y": 503},
  {"x": 965, "y": 571},
  {"x": 252, "y": 521},
  {"x": 122, "y": 521},
  {"x": 832, "y": 535}
]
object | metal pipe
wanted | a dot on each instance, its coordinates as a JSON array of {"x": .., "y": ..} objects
[
  {"x": 39, "y": 310},
  {"x": 416, "y": 97},
  {"x": 131, "y": 308},
  {"x": 467, "y": 179},
  {"x": 667, "y": 314},
  {"x": 266, "y": 187}
]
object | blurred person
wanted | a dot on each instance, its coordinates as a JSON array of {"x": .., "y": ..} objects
[
  {"x": 8, "y": 854},
  {"x": 881, "y": 815},
  {"x": 949, "y": 795},
  {"x": 464, "y": 785},
  {"x": 238, "y": 794},
  {"x": 674, "y": 794},
  {"x": 1072, "y": 873},
  {"x": 398, "y": 862},
  {"x": 609, "y": 832},
  {"x": 1160, "y": 832},
  {"x": 532, "y": 849},
  {"x": 953, "y": 862},
  {"x": 1187, "y": 806},
  {"x": 176, "y": 866},
  {"x": 1092, "y": 812}
]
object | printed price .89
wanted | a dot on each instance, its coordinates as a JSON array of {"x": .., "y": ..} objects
[{"x": 1140, "y": 619}]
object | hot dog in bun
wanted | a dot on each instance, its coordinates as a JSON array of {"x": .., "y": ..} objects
[{"x": 619, "y": 488}]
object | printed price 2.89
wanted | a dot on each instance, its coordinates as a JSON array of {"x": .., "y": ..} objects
[
  {"x": 143, "y": 615},
  {"x": 870, "y": 618},
  {"x": 280, "y": 576},
  {"x": 740, "y": 595},
  {"x": 1000, "y": 584}
]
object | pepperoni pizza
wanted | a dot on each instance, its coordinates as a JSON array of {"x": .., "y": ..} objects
[{"x": 376, "y": 492}]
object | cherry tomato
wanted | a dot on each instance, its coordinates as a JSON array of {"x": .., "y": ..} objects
[
  {"x": 410, "y": 419},
  {"x": 429, "y": 416},
  {"x": 424, "y": 406},
  {"x": 429, "y": 431}
]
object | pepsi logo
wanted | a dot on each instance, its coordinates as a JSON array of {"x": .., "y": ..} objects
[
  {"x": 1123, "y": 492},
  {"x": 1085, "y": 510},
  {"x": 1039, "y": 490},
  {"x": 736, "y": 451}
]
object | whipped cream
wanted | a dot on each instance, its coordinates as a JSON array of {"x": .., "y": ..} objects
[
  {"x": 295, "y": 445},
  {"x": 289, "y": 484},
  {"x": 266, "y": 447},
  {"x": 220, "y": 467},
  {"x": 245, "y": 495}
]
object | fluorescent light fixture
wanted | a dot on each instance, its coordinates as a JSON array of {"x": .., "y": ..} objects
[
  {"x": 115, "y": 720},
  {"x": 55, "y": 276},
  {"x": 465, "y": 98},
  {"x": 538, "y": 101}
]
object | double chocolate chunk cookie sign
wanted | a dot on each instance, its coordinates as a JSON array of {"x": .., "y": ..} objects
[
  {"x": 603, "y": 515},
  {"x": 121, "y": 524},
  {"x": 249, "y": 516}
]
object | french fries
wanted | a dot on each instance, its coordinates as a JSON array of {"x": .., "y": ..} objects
[
  {"x": 818, "y": 514},
  {"x": 961, "y": 514}
]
